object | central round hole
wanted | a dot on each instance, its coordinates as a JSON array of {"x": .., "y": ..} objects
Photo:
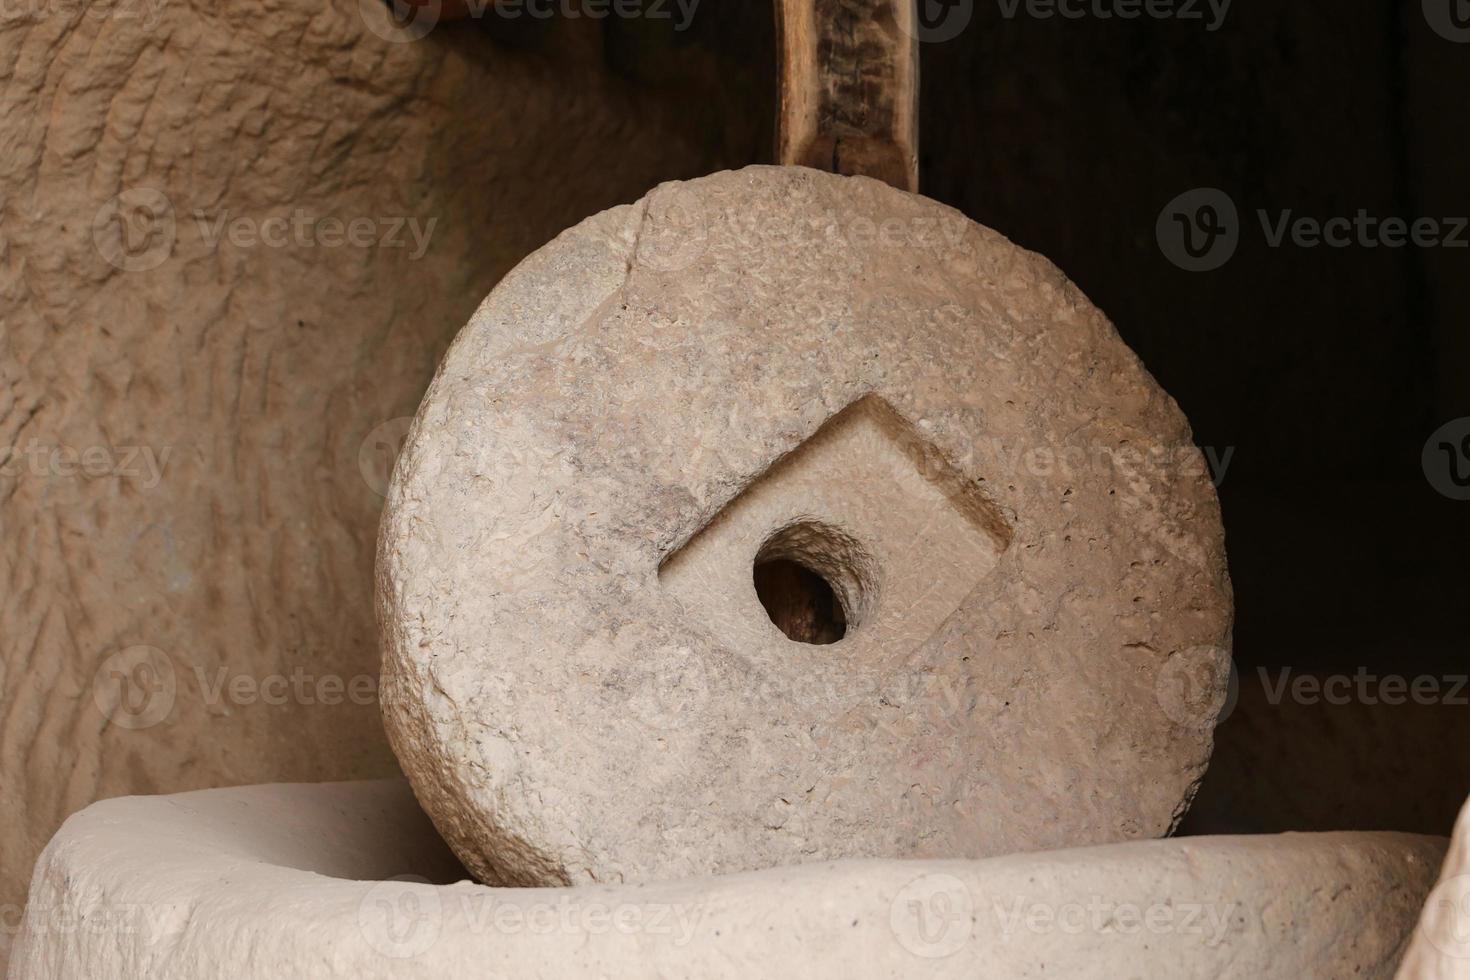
[
  {"x": 815, "y": 581},
  {"x": 799, "y": 602}
]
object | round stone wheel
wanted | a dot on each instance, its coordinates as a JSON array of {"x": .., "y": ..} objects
[{"x": 782, "y": 517}]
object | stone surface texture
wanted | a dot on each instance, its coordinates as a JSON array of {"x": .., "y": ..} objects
[
  {"x": 297, "y": 880},
  {"x": 1440, "y": 949},
  {"x": 193, "y": 444},
  {"x": 578, "y": 677}
]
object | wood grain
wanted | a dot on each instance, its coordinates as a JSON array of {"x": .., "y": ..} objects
[{"x": 849, "y": 84}]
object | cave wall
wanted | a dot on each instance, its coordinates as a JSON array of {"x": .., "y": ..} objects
[{"x": 203, "y": 380}]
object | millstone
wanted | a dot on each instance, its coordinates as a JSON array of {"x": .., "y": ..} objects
[{"x": 784, "y": 517}]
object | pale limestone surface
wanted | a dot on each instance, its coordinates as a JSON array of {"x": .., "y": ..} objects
[
  {"x": 1440, "y": 949},
  {"x": 195, "y": 431},
  {"x": 334, "y": 880},
  {"x": 578, "y": 676},
  {"x": 294, "y": 881}
]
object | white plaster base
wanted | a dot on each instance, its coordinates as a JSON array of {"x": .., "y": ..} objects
[{"x": 294, "y": 881}]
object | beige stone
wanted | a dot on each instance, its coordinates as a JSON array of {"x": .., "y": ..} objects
[
  {"x": 196, "y": 429},
  {"x": 1440, "y": 949},
  {"x": 297, "y": 880},
  {"x": 783, "y": 367}
]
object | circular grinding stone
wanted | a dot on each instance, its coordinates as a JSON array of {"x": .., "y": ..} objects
[{"x": 784, "y": 517}]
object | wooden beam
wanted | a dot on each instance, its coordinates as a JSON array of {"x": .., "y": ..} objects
[{"x": 849, "y": 86}]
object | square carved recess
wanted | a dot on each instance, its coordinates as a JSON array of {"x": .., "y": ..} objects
[{"x": 863, "y": 536}]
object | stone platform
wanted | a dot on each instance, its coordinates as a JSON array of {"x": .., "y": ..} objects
[{"x": 350, "y": 880}]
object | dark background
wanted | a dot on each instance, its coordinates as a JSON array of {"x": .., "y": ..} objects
[{"x": 1324, "y": 369}]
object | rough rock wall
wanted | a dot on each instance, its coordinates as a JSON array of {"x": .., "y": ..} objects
[{"x": 194, "y": 377}]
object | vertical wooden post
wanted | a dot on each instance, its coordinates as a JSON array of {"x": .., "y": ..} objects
[{"x": 849, "y": 86}]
